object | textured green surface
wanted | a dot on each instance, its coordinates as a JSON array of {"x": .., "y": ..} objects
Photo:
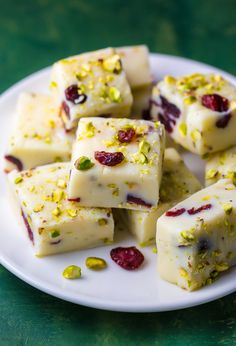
[{"x": 33, "y": 34}]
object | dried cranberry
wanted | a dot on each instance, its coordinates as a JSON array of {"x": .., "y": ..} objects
[
  {"x": 55, "y": 242},
  {"x": 126, "y": 136},
  {"x": 108, "y": 159},
  {"x": 74, "y": 199},
  {"x": 66, "y": 109},
  {"x": 74, "y": 94},
  {"x": 136, "y": 200},
  {"x": 129, "y": 258},
  {"x": 170, "y": 112},
  {"x": 215, "y": 102},
  {"x": 223, "y": 121},
  {"x": 27, "y": 225},
  {"x": 194, "y": 211},
  {"x": 15, "y": 161},
  {"x": 169, "y": 108},
  {"x": 176, "y": 212}
]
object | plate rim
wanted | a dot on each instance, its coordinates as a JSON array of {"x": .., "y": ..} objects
[{"x": 94, "y": 302}]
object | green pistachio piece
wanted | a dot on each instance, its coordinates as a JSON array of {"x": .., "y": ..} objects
[
  {"x": 183, "y": 129},
  {"x": 112, "y": 64},
  {"x": 211, "y": 173},
  {"x": 102, "y": 222},
  {"x": 90, "y": 130},
  {"x": 190, "y": 100},
  {"x": 95, "y": 263},
  {"x": 55, "y": 233},
  {"x": 114, "y": 95},
  {"x": 83, "y": 163},
  {"x": 72, "y": 272},
  {"x": 18, "y": 180},
  {"x": 144, "y": 147}
]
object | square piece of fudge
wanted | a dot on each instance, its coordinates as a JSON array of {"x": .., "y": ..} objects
[
  {"x": 198, "y": 111},
  {"x": 135, "y": 61},
  {"x": 177, "y": 184},
  {"x": 53, "y": 223},
  {"x": 38, "y": 135},
  {"x": 221, "y": 165},
  {"x": 196, "y": 240},
  {"x": 91, "y": 84},
  {"x": 117, "y": 163}
]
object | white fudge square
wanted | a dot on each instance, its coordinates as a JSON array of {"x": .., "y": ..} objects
[
  {"x": 54, "y": 224},
  {"x": 91, "y": 84},
  {"x": 196, "y": 240},
  {"x": 177, "y": 184},
  {"x": 135, "y": 60},
  {"x": 221, "y": 165},
  {"x": 117, "y": 163},
  {"x": 198, "y": 111},
  {"x": 38, "y": 136}
]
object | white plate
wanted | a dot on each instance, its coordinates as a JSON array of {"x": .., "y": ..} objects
[{"x": 114, "y": 288}]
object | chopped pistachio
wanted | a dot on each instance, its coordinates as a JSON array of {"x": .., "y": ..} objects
[
  {"x": 190, "y": 100},
  {"x": 51, "y": 123},
  {"x": 83, "y": 163},
  {"x": 169, "y": 80},
  {"x": 61, "y": 183},
  {"x": 211, "y": 173},
  {"x": 144, "y": 147},
  {"x": 112, "y": 64},
  {"x": 90, "y": 130},
  {"x": 154, "y": 249},
  {"x": 18, "y": 180},
  {"x": 95, "y": 263},
  {"x": 72, "y": 272},
  {"x": 183, "y": 129},
  {"x": 183, "y": 273},
  {"x": 102, "y": 222},
  {"x": 57, "y": 196},
  {"x": 38, "y": 208},
  {"x": 72, "y": 212},
  {"x": 56, "y": 211},
  {"x": 32, "y": 188},
  {"x": 228, "y": 208},
  {"x": 195, "y": 135},
  {"x": 140, "y": 158},
  {"x": 187, "y": 235},
  {"x": 116, "y": 192},
  {"x": 220, "y": 267},
  {"x": 55, "y": 233},
  {"x": 216, "y": 253},
  {"x": 114, "y": 95}
]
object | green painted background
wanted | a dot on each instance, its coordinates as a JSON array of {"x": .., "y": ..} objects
[{"x": 33, "y": 34}]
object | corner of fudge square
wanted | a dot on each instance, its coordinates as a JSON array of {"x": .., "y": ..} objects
[
  {"x": 117, "y": 163},
  {"x": 197, "y": 110},
  {"x": 91, "y": 84},
  {"x": 51, "y": 222},
  {"x": 196, "y": 239}
]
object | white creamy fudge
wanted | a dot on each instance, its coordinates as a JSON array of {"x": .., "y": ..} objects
[
  {"x": 135, "y": 60},
  {"x": 221, "y": 165},
  {"x": 198, "y": 111},
  {"x": 196, "y": 239},
  {"x": 53, "y": 223},
  {"x": 38, "y": 135},
  {"x": 117, "y": 163},
  {"x": 177, "y": 184},
  {"x": 91, "y": 84}
]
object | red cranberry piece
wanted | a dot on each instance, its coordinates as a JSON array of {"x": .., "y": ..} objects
[
  {"x": 215, "y": 102},
  {"x": 169, "y": 108},
  {"x": 66, "y": 109},
  {"x": 223, "y": 121},
  {"x": 74, "y": 95},
  {"x": 129, "y": 258},
  {"x": 74, "y": 199},
  {"x": 136, "y": 200},
  {"x": 27, "y": 225},
  {"x": 194, "y": 211},
  {"x": 15, "y": 161},
  {"x": 108, "y": 159},
  {"x": 126, "y": 136},
  {"x": 176, "y": 212},
  {"x": 55, "y": 242},
  {"x": 166, "y": 123}
]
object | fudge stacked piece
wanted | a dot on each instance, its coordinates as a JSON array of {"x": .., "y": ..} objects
[{"x": 83, "y": 86}]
